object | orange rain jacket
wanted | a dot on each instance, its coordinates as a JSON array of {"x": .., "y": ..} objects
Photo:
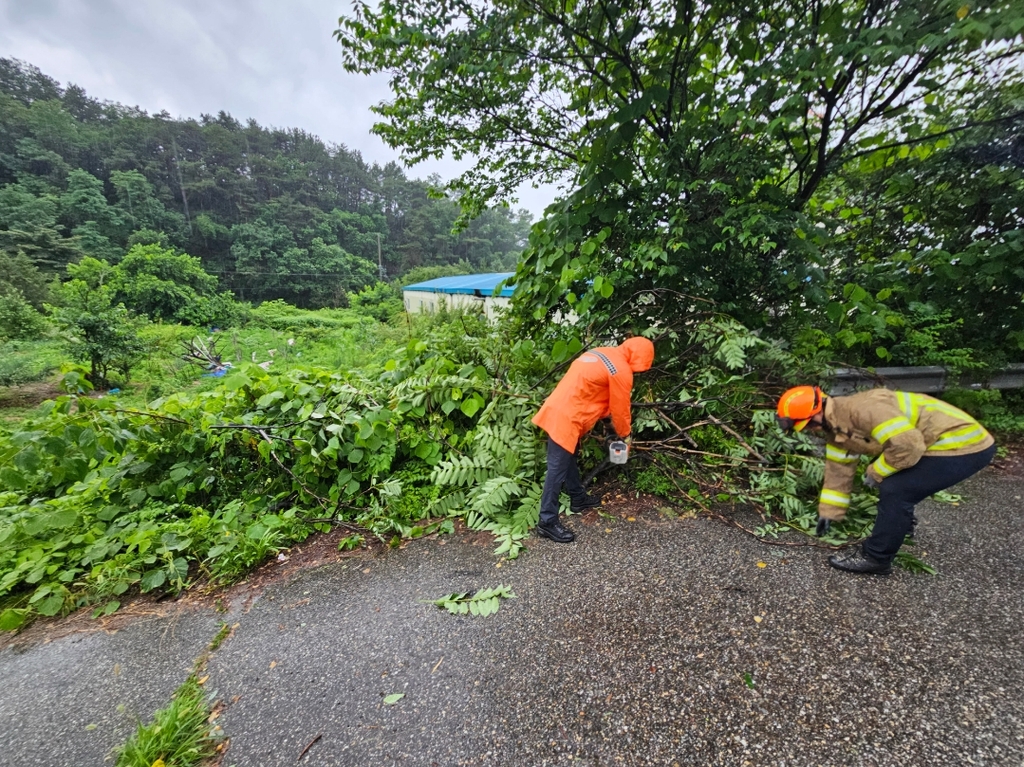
[{"x": 598, "y": 384}]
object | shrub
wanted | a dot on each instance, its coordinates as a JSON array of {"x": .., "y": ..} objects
[{"x": 19, "y": 320}]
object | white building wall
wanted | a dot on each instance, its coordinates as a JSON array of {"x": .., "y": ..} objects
[{"x": 422, "y": 302}]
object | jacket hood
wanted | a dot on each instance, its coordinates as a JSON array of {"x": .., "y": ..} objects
[{"x": 639, "y": 353}]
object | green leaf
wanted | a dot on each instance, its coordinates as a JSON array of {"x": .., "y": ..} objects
[
  {"x": 50, "y": 520},
  {"x": 12, "y": 619},
  {"x": 51, "y": 605},
  {"x": 392, "y": 699},
  {"x": 471, "y": 405},
  {"x": 12, "y": 479},
  {"x": 178, "y": 473},
  {"x": 106, "y": 609},
  {"x": 108, "y": 513},
  {"x": 152, "y": 580},
  {"x": 269, "y": 399}
]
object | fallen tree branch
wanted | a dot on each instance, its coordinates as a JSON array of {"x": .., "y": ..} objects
[{"x": 740, "y": 439}]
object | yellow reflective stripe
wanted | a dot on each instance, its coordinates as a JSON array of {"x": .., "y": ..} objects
[
  {"x": 837, "y": 454},
  {"x": 882, "y": 467},
  {"x": 910, "y": 406},
  {"x": 835, "y": 498},
  {"x": 891, "y": 428},
  {"x": 959, "y": 438},
  {"x": 930, "y": 403}
]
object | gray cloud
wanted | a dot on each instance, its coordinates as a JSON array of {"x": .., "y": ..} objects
[{"x": 272, "y": 60}]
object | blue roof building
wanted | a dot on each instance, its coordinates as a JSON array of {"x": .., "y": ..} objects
[{"x": 471, "y": 291}]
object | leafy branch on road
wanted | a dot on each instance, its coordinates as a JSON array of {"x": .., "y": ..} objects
[{"x": 483, "y": 603}]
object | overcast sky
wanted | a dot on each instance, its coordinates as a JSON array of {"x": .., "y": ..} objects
[{"x": 273, "y": 60}]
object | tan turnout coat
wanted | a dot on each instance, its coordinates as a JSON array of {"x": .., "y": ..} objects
[{"x": 897, "y": 429}]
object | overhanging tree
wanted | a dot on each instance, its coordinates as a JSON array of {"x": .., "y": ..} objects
[{"x": 694, "y": 136}]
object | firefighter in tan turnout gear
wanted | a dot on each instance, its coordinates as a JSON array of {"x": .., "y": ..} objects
[{"x": 919, "y": 446}]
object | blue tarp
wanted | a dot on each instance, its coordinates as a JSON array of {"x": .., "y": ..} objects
[{"x": 468, "y": 284}]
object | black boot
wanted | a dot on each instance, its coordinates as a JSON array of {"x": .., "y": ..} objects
[
  {"x": 855, "y": 560},
  {"x": 556, "y": 532},
  {"x": 587, "y": 501}
]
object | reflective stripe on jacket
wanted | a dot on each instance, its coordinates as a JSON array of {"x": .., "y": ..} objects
[
  {"x": 598, "y": 384},
  {"x": 897, "y": 428}
]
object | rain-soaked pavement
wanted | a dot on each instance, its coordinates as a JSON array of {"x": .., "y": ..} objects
[{"x": 647, "y": 642}]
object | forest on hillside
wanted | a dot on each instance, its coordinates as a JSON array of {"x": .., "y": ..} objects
[{"x": 270, "y": 212}]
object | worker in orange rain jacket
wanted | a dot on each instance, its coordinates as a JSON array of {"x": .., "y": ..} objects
[
  {"x": 598, "y": 384},
  {"x": 920, "y": 445}
]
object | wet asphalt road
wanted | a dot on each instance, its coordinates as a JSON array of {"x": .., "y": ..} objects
[{"x": 654, "y": 642}]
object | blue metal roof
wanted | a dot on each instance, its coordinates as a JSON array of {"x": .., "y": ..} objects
[{"x": 468, "y": 284}]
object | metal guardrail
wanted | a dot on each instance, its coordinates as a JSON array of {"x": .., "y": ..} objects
[{"x": 923, "y": 379}]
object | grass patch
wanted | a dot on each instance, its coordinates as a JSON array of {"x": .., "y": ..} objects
[
  {"x": 23, "y": 362},
  {"x": 218, "y": 640},
  {"x": 179, "y": 735}
]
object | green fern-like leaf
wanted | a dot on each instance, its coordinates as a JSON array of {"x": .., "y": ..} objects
[
  {"x": 483, "y": 603},
  {"x": 492, "y": 497},
  {"x": 448, "y": 505}
]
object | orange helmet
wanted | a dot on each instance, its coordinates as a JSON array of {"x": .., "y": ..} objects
[{"x": 798, "y": 405}]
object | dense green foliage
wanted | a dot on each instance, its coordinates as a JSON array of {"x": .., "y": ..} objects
[
  {"x": 840, "y": 172},
  {"x": 270, "y": 213},
  {"x": 103, "y": 499}
]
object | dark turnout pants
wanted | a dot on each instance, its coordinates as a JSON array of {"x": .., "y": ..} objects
[
  {"x": 562, "y": 470},
  {"x": 901, "y": 492}
]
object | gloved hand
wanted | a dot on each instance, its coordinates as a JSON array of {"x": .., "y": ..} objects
[
  {"x": 823, "y": 526},
  {"x": 870, "y": 481}
]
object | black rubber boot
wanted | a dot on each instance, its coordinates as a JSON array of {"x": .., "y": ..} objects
[
  {"x": 854, "y": 560},
  {"x": 586, "y": 502},
  {"x": 556, "y": 532}
]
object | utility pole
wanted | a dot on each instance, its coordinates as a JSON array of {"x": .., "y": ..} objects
[
  {"x": 181, "y": 184},
  {"x": 380, "y": 261}
]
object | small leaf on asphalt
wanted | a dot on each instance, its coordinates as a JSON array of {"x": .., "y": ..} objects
[
  {"x": 757, "y": 619},
  {"x": 392, "y": 699},
  {"x": 91, "y": 726},
  {"x": 762, "y": 564}
]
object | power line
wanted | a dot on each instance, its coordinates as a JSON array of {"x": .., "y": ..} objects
[{"x": 281, "y": 274}]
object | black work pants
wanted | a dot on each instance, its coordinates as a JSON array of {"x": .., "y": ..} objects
[
  {"x": 562, "y": 470},
  {"x": 901, "y": 492}
]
